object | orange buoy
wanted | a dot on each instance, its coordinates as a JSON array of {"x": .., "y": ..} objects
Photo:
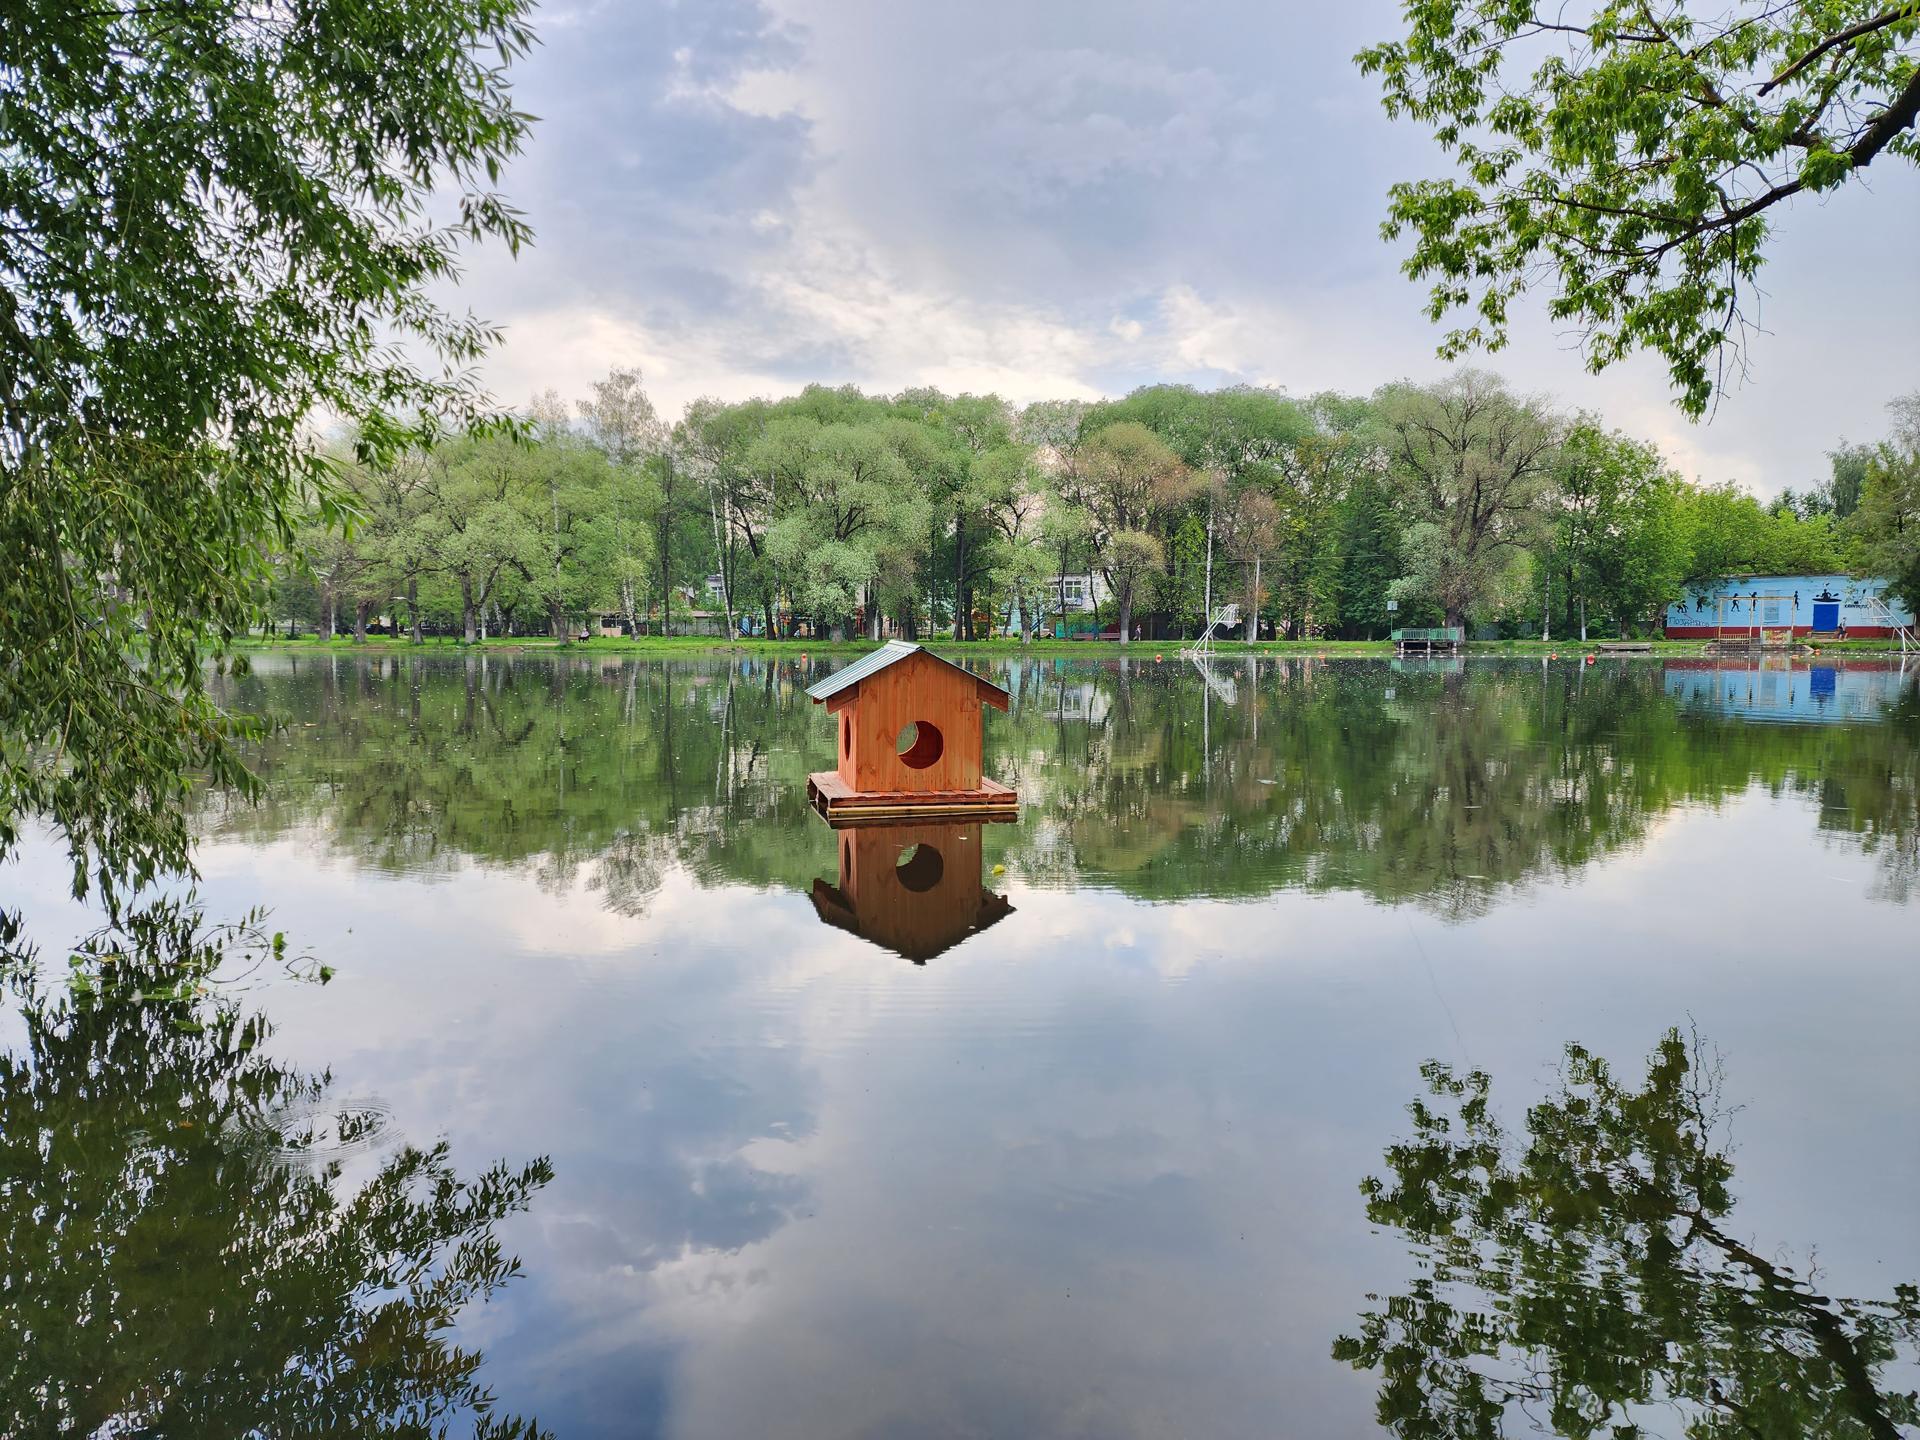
[{"x": 1156, "y": 659}]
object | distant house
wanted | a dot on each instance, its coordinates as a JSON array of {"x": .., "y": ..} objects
[
  {"x": 1805, "y": 605},
  {"x": 1069, "y": 602},
  {"x": 1077, "y": 594}
]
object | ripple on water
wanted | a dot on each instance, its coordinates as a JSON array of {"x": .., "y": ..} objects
[{"x": 318, "y": 1132}]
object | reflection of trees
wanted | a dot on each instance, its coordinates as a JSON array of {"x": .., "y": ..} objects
[
  {"x": 173, "y": 1263},
  {"x": 1589, "y": 1274},
  {"x": 572, "y": 768},
  {"x": 1446, "y": 789}
]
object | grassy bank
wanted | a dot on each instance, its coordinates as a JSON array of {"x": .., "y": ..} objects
[{"x": 693, "y": 645}]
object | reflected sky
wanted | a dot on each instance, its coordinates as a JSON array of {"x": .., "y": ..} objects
[{"x": 1093, "y": 1168}]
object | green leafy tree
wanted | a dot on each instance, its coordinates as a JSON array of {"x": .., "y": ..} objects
[
  {"x": 1617, "y": 530},
  {"x": 579, "y": 512},
  {"x": 1846, "y": 478},
  {"x": 852, "y": 511},
  {"x": 1632, "y": 152},
  {"x": 1243, "y": 436},
  {"x": 214, "y": 220},
  {"x": 1066, "y": 532},
  {"x": 1371, "y": 557},
  {"x": 1015, "y": 499},
  {"x": 1886, "y": 527},
  {"x": 960, "y": 433},
  {"x": 1249, "y": 531},
  {"x": 484, "y": 530},
  {"x": 1474, "y": 464},
  {"x": 1123, "y": 477},
  {"x": 622, "y": 421},
  {"x": 1729, "y": 532},
  {"x": 1314, "y": 477},
  {"x": 1590, "y": 1271}
]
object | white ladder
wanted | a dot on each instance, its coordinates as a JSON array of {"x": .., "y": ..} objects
[
  {"x": 1882, "y": 611},
  {"x": 1225, "y": 618}
]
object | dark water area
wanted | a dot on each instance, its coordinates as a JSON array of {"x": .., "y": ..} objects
[{"x": 1333, "y": 1048}]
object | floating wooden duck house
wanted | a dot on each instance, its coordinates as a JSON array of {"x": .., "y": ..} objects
[
  {"x": 909, "y": 741},
  {"x": 916, "y": 890}
]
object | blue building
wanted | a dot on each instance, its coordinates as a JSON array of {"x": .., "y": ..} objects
[{"x": 1818, "y": 605}]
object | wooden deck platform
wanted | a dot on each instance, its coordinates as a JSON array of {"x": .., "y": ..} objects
[
  {"x": 1431, "y": 640},
  {"x": 842, "y": 805}
]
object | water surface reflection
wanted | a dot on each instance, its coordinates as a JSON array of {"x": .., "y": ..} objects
[
  {"x": 1590, "y": 1276},
  {"x": 1090, "y": 1171},
  {"x": 189, "y": 1247},
  {"x": 1447, "y": 787},
  {"x": 914, "y": 889}
]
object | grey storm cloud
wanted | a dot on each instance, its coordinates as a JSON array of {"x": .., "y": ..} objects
[{"x": 1074, "y": 198}]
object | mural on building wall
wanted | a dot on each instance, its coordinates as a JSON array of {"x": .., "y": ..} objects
[{"x": 1804, "y": 604}]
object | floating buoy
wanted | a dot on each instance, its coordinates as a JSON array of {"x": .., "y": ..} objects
[
  {"x": 1589, "y": 659},
  {"x": 1156, "y": 659},
  {"x": 999, "y": 869}
]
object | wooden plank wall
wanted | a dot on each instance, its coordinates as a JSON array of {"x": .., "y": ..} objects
[{"x": 917, "y": 689}]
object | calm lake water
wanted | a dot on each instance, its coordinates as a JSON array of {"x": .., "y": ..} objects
[{"x": 1094, "y": 1125}]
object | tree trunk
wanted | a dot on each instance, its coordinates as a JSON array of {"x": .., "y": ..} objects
[
  {"x": 413, "y": 608},
  {"x": 333, "y": 612},
  {"x": 666, "y": 549},
  {"x": 556, "y": 619},
  {"x": 360, "y": 608},
  {"x": 1126, "y": 615},
  {"x": 960, "y": 575},
  {"x": 469, "y": 630},
  {"x": 1583, "y": 619},
  {"x": 724, "y": 554},
  {"x": 1252, "y": 631},
  {"x": 1206, "y": 593}
]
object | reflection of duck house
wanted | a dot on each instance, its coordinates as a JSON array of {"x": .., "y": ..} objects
[
  {"x": 909, "y": 742},
  {"x": 913, "y": 889}
]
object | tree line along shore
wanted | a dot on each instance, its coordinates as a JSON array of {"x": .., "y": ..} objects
[{"x": 832, "y": 514}]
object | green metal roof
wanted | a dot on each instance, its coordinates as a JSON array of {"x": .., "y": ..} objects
[{"x": 891, "y": 653}]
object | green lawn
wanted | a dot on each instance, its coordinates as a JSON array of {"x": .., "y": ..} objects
[{"x": 689, "y": 645}]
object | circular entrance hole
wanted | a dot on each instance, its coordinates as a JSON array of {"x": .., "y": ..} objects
[
  {"x": 919, "y": 867},
  {"x": 920, "y": 744}
]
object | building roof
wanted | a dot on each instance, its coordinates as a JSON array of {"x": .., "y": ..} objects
[{"x": 890, "y": 654}]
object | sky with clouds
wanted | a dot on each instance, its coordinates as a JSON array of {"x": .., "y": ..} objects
[{"x": 1072, "y": 198}]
